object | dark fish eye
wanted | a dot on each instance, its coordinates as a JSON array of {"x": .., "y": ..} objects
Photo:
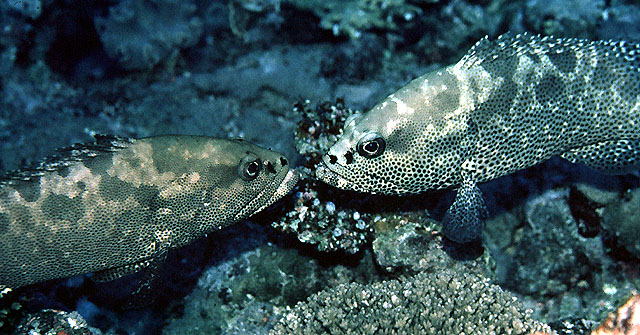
[
  {"x": 371, "y": 145},
  {"x": 249, "y": 167}
]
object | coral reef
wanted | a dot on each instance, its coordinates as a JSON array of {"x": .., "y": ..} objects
[
  {"x": 545, "y": 258},
  {"x": 353, "y": 17},
  {"x": 246, "y": 292},
  {"x": 624, "y": 321},
  {"x": 622, "y": 218},
  {"x": 323, "y": 216},
  {"x": 439, "y": 302},
  {"x": 453, "y": 28},
  {"x": 34, "y": 93},
  {"x": 141, "y": 34},
  {"x": 51, "y": 321},
  {"x": 29, "y": 8},
  {"x": 411, "y": 242},
  {"x": 563, "y": 18},
  {"x": 406, "y": 243},
  {"x": 620, "y": 21}
]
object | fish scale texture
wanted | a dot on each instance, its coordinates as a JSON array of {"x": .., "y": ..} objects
[
  {"x": 429, "y": 303},
  {"x": 555, "y": 96}
]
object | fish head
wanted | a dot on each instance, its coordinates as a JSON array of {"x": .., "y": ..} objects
[
  {"x": 222, "y": 181},
  {"x": 408, "y": 143},
  {"x": 255, "y": 177}
]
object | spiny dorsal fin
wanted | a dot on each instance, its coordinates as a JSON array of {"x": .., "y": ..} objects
[
  {"x": 510, "y": 44},
  {"x": 67, "y": 156}
]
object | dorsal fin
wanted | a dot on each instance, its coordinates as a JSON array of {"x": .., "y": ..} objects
[
  {"x": 510, "y": 44},
  {"x": 67, "y": 156},
  {"x": 488, "y": 49}
]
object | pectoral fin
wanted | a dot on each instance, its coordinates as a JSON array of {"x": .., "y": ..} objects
[
  {"x": 150, "y": 269},
  {"x": 149, "y": 274},
  {"x": 464, "y": 220}
]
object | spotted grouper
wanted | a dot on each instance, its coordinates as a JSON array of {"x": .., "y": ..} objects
[
  {"x": 115, "y": 205},
  {"x": 506, "y": 105}
]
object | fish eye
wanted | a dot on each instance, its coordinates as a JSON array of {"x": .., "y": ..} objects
[
  {"x": 249, "y": 167},
  {"x": 371, "y": 145}
]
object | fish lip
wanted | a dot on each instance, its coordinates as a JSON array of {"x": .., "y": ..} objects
[
  {"x": 285, "y": 185},
  {"x": 330, "y": 177}
]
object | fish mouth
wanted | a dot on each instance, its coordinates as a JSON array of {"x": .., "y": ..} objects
[
  {"x": 284, "y": 186},
  {"x": 329, "y": 176},
  {"x": 333, "y": 178},
  {"x": 277, "y": 189}
]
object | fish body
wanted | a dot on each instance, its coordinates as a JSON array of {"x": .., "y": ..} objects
[
  {"x": 506, "y": 105},
  {"x": 116, "y": 204}
]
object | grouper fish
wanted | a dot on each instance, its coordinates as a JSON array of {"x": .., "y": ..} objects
[
  {"x": 114, "y": 205},
  {"x": 508, "y": 104}
]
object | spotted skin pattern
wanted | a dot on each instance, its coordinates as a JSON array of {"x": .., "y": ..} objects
[
  {"x": 506, "y": 105},
  {"x": 116, "y": 204}
]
